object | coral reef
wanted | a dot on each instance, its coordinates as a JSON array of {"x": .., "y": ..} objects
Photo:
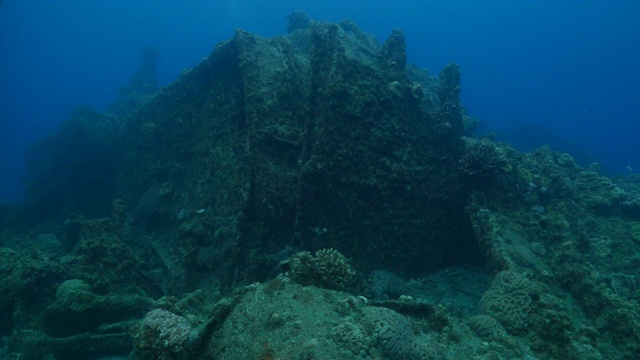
[{"x": 326, "y": 145}]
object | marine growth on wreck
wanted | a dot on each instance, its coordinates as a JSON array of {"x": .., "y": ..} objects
[{"x": 312, "y": 196}]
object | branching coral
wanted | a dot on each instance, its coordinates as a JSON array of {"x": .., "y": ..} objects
[{"x": 328, "y": 269}]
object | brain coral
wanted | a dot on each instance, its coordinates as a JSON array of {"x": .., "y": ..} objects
[
  {"x": 486, "y": 326},
  {"x": 393, "y": 334},
  {"x": 509, "y": 300}
]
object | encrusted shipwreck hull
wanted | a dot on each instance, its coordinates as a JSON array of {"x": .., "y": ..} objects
[
  {"x": 324, "y": 167},
  {"x": 316, "y": 140}
]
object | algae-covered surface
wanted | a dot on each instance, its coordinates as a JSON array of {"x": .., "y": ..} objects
[{"x": 313, "y": 196}]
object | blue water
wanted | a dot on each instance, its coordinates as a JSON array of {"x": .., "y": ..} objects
[{"x": 564, "y": 73}]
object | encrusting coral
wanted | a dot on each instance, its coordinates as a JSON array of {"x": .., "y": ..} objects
[{"x": 162, "y": 335}]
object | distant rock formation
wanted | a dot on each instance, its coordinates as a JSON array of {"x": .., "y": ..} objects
[{"x": 142, "y": 86}]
